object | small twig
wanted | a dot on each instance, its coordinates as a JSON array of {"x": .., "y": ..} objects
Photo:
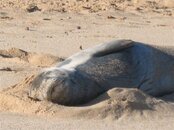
[{"x": 6, "y": 69}]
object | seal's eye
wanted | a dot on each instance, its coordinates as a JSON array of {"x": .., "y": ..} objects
[{"x": 72, "y": 81}]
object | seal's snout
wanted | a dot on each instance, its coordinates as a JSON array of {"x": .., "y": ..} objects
[
  {"x": 41, "y": 91},
  {"x": 47, "y": 85}
]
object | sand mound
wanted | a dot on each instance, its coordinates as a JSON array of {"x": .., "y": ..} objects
[
  {"x": 89, "y": 5},
  {"x": 115, "y": 104},
  {"x": 18, "y": 55}
]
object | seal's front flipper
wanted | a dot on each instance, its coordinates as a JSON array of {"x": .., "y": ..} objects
[{"x": 109, "y": 48}]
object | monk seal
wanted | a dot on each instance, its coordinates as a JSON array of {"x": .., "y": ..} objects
[{"x": 91, "y": 72}]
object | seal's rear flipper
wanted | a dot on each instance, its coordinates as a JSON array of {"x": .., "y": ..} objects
[{"x": 111, "y": 47}]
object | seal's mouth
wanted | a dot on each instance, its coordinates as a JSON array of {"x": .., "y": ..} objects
[{"x": 34, "y": 99}]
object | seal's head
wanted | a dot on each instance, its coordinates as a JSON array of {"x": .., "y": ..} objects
[{"x": 52, "y": 85}]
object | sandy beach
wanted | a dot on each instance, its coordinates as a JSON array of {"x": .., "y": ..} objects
[{"x": 38, "y": 34}]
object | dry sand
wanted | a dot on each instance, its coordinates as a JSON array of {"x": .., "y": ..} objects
[
  {"x": 90, "y": 5},
  {"x": 31, "y": 41}
]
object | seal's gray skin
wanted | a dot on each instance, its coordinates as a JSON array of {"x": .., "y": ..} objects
[{"x": 123, "y": 63}]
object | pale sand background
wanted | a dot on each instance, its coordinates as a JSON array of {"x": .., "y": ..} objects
[{"x": 61, "y": 36}]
